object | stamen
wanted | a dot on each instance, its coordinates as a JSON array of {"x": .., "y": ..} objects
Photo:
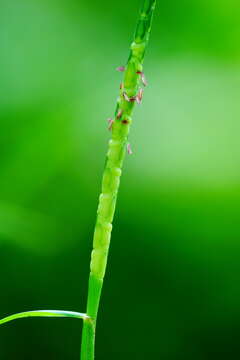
[
  {"x": 129, "y": 149},
  {"x": 126, "y": 97},
  {"x": 120, "y": 68},
  {"x": 119, "y": 114},
  {"x": 129, "y": 99},
  {"x": 110, "y": 124},
  {"x": 143, "y": 78},
  {"x": 132, "y": 99},
  {"x": 139, "y": 96}
]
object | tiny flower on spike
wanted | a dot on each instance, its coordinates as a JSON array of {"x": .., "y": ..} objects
[
  {"x": 126, "y": 97},
  {"x": 139, "y": 96},
  {"x": 129, "y": 149},
  {"x": 129, "y": 99},
  {"x": 143, "y": 78},
  {"x": 120, "y": 68},
  {"x": 119, "y": 114},
  {"x": 110, "y": 123},
  {"x": 133, "y": 98}
]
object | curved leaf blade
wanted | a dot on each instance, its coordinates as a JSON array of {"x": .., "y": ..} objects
[{"x": 44, "y": 313}]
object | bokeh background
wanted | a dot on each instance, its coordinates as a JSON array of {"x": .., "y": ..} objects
[{"x": 172, "y": 288}]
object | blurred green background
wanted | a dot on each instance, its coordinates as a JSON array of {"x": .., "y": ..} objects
[{"x": 172, "y": 288}]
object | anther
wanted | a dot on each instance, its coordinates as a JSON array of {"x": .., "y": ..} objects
[
  {"x": 110, "y": 124},
  {"x": 126, "y": 97},
  {"x": 129, "y": 149},
  {"x": 129, "y": 99},
  {"x": 139, "y": 96},
  {"x": 132, "y": 99},
  {"x": 143, "y": 78},
  {"x": 121, "y": 86},
  {"x": 120, "y": 68},
  {"x": 119, "y": 114}
]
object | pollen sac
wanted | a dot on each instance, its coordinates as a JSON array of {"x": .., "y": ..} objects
[
  {"x": 133, "y": 98},
  {"x": 129, "y": 99},
  {"x": 126, "y": 97},
  {"x": 127, "y": 120},
  {"x": 129, "y": 149},
  {"x": 143, "y": 78},
  {"x": 119, "y": 114},
  {"x": 110, "y": 124},
  {"x": 139, "y": 96},
  {"x": 121, "y": 68}
]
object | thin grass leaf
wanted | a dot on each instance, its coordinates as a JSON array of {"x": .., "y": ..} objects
[{"x": 45, "y": 313}]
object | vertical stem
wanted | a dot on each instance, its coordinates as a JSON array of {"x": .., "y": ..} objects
[{"x": 129, "y": 93}]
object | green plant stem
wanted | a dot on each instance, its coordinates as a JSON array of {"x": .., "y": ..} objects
[{"x": 111, "y": 177}]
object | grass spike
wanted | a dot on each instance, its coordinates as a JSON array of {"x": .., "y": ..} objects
[{"x": 130, "y": 93}]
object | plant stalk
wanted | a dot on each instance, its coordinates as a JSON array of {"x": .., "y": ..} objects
[{"x": 130, "y": 92}]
